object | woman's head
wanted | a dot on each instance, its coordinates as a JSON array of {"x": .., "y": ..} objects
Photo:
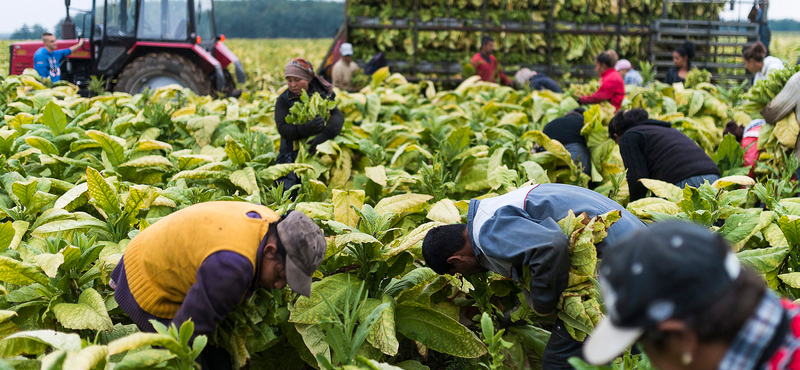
[
  {"x": 682, "y": 56},
  {"x": 299, "y": 73},
  {"x": 624, "y": 120},
  {"x": 754, "y": 57},
  {"x": 678, "y": 290},
  {"x": 603, "y": 61},
  {"x": 614, "y": 56},
  {"x": 623, "y": 66}
]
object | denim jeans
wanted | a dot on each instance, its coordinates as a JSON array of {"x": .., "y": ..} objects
[
  {"x": 580, "y": 154},
  {"x": 560, "y": 348}
]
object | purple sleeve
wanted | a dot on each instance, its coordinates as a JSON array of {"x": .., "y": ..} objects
[{"x": 222, "y": 281}]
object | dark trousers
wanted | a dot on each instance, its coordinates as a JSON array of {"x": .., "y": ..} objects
[
  {"x": 214, "y": 358},
  {"x": 560, "y": 348}
]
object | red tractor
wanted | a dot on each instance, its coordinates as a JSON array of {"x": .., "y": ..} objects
[{"x": 140, "y": 44}]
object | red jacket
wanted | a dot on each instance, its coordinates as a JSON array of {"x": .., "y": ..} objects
[
  {"x": 612, "y": 88},
  {"x": 487, "y": 70}
]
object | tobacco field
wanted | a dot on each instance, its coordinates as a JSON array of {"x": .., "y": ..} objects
[{"x": 80, "y": 177}]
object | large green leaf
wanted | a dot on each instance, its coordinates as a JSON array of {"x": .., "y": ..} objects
[
  {"x": 790, "y": 225},
  {"x": 203, "y": 128},
  {"x": 445, "y": 211},
  {"x": 25, "y": 191},
  {"x": 313, "y": 309},
  {"x": 437, "y": 331},
  {"x": 103, "y": 194},
  {"x": 42, "y": 144},
  {"x": 54, "y": 118},
  {"x": 246, "y": 179},
  {"x": 112, "y": 146},
  {"x": 411, "y": 239},
  {"x": 89, "y": 358},
  {"x": 402, "y": 204},
  {"x": 148, "y": 161},
  {"x": 663, "y": 189},
  {"x": 145, "y": 359},
  {"x": 738, "y": 226},
  {"x": 342, "y": 202},
  {"x": 140, "y": 340},
  {"x": 19, "y": 273},
  {"x": 765, "y": 260},
  {"x": 382, "y": 335},
  {"x": 235, "y": 152},
  {"x": 37, "y": 341},
  {"x": 89, "y": 313},
  {"x": 49, "y": 263},
  {"x": 277, "y": 171},
  {"x": 7, "y": 234}
]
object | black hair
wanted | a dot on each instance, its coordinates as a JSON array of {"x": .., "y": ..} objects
[
  {"x": 755, "y": 52},
  {"x": 734, "y": 129},
  {"x": 486, "y": 39},
  {"x": 605, "y": 58},
  {"x": 722, "y": 319},
  {"x": 626, "y": 119},
  {"x": 46, "y": 34},
  {"x": 687, "y": 51},
  {"x": 441, "y": 243}
]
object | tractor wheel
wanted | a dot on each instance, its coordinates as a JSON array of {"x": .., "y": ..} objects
[{"x": 155, "y": 70}]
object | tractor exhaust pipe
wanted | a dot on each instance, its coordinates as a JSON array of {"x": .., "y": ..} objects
[{"x": 67, "y": 27}]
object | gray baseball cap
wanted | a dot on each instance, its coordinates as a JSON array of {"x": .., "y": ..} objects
[{"x": 305, "y": 248}]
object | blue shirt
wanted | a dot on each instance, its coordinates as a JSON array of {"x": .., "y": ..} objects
[
  {"x": 46, "y": 63},
  {"x": 632, "y": 77},
  {"x": 520, "y": 230}
]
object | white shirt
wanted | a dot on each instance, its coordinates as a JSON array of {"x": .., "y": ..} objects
[{"x": 770, "y": 64}]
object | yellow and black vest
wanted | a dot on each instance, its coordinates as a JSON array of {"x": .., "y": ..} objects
[{"x": 161, "y": 262}]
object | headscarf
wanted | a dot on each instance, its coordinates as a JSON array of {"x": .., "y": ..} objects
[
  {"x": 302, "y": 69},
  {"x": 523, "y": 76},
  {"x": 623, "y": 64}
]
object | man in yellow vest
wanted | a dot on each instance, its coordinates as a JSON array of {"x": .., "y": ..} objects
[{"x": 200, "y": 262}]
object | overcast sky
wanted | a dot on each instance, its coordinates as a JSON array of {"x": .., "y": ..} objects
[{"x": 15, "y": 13}]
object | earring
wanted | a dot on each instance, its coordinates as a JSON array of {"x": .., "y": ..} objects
[{"x": 686, "y": 359}]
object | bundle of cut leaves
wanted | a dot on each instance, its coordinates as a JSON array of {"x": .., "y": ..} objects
[
  {"x": 310, "y": 107},
  {"x": 697, "y": 76},
  {"x": 765, "y": 90},
  {"x": 579, "y": 307}
]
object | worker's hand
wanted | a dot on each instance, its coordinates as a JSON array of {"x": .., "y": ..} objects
[
  {"x": 81, "y": 42},
  {"x": 312, "y": 127},
  {"x": 312, "y": 144}
]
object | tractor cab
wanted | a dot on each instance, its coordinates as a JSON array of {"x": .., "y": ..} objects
[{"x": 141, "y": 44}]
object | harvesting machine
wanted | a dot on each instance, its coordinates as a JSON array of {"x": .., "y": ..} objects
[
  {"x": 433, "y": 39},
  {"x": 140, "y": 44}
]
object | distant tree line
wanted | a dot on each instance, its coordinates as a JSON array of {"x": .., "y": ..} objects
[
  {"x": 784, "y": 25},
  {"x": 278, "y": 18},
  {"x": 29, "y": 32},
  {"x": 246, "y": 19}
]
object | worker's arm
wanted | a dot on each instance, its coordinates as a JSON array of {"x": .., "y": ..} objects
[
  {"x": 503, "y": 79},
  {"x": 222, "y": 281},
  {"x": 332, "y": 129},
  {"x": 786, "y": 101},
  {"x": 511, "y": 235},
  {"x": 295, "y": 132},
  {"x": 605, "y": 92},
  {"x": 77, "y": 46},
  {"x": 631, "y": 146}
]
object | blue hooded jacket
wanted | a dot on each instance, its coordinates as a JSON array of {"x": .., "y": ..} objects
[{"x": 519, "y": 229}]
